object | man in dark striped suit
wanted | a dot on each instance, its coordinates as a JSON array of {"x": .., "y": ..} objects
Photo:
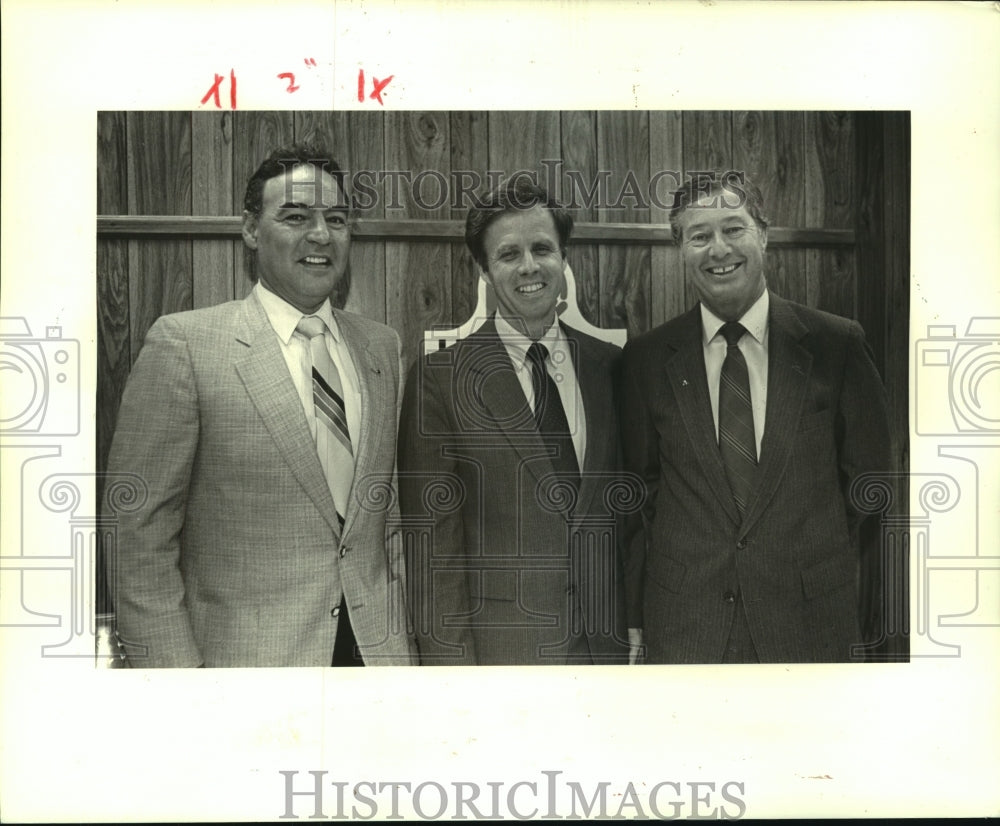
[
  {"x": 509, "y": 465},
  {"x": 749, "y": 418}
]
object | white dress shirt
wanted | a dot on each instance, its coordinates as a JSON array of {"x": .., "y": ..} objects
[
  {"x": 559, "y": 366},
  {"x": 753, "y": 346},
  {"x": 295, "y": 348}
]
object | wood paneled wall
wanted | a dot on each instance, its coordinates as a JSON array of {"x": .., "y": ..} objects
[{"x": 836, "y": 186}]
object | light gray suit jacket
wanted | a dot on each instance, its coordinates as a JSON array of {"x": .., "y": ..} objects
[{"x": 236, "y": 558}]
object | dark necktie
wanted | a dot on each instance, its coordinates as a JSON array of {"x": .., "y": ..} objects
[
  {"x": 550, "y": 416},
  {"x": 736, "y": 434}
]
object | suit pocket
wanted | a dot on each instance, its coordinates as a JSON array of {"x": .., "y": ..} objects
[
  {"x": 667, "y": 574},
  {"x": 828, "y": 575}
]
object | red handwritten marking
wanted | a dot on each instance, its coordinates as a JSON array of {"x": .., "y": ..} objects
[
  {"x": 214, "y": 91},
  {"x": 291, "y": 81},
  {"x": 379, "y": 85},
  {"x": 309, "y": 61},
  {"x": 216, "y": 86},
  {"x": 361, "y": 86}
]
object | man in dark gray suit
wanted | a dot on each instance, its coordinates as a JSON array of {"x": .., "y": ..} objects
[
  {"x": 749, "y": 417},
  {"x": 509, "y": 464}
]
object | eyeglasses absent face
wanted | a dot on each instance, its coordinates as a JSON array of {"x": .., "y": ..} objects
[
  {"x": 724, "y": 251},
  {"x": 301, "y": 236}
]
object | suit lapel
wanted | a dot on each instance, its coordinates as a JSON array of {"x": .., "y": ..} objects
[
  {"x": 589, "y": 362},
  {"x": 789, "y": 368},
  {"x": 500, "y": 393},
  {"x": 264, "y": 373},
  {"x": 373, "y": 376},
  {"x": 689, "y": 382}
]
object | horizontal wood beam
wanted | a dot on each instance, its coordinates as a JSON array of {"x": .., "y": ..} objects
[{"x": 363, "y": 229}]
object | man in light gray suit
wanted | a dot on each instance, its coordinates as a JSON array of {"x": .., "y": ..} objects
[{"x": 264, "y": 431}]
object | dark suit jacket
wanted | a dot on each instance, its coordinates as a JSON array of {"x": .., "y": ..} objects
[
  {"x": 795, "y": 554},
  {"x": 504, "y": 563},
  {"x": 236, "y": 557}
]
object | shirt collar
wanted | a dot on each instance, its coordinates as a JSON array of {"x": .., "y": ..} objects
[
  {"x": 753, "y": 320},
  {"x": 517, "y": 343},
  {"x": 284, "y": 317}
]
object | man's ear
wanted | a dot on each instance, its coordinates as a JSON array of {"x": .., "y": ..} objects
[
  {"x": 763, "y": 239},
  {"x": 249, "y": 229}
]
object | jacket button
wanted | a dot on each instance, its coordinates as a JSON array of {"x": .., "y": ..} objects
[
  {"x": 343, "y": 551},
  {"x": 335, "y": 612},
  {"x": 729, "y": 597},
  {"x": 741, "y": 545}
]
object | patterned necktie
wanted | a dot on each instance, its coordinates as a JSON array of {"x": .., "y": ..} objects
[
  {"x": 550, "y": 417},
  {"x": 333, "y": 441},
  {"x": 736, "y": 434}
]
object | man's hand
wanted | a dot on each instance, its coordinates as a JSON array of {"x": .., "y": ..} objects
[{"x": 636, "y": 650}]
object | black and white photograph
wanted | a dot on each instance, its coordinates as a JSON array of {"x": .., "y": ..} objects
[
  {"x": 457, "y": 230},
  {"x": 345, "y": 345}
]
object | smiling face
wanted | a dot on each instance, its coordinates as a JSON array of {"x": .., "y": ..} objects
[
  {"x": 724, "y": 251},
  {"x": 301, "y": 236},
  {"x": 525, "y": 267}
]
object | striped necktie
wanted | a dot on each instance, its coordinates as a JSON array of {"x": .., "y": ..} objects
[
  {"x": 333, "y": 441},
  {"x": 737, "y": 442}
]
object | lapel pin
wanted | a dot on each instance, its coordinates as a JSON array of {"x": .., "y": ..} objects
[{"x": 684, "y": 382}]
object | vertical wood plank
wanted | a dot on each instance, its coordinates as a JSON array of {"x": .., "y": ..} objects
[
  {"x": 365, "y": 137},
  {"x": 830, "y": 203},
  {"x": 212, "y": 194},
  {"x": 520, "y": 141},
  {"x": 666, "y": 165},
  {"x": 113, "y": 343},
  {"x": 159, "y": 183},
  {"x": 418, "y": 274},
  {"x": 580, "y": 169},
  {"x": 708, "y": 147},
  {"x": 870, "y": 297},
  {"x": 769, "y": 148},
  {"x": 255, "y": 136},
  {"x": 896, "y": 330},
  {"x": 896, "y": 266},
  {"x": 623, "y": 149},
  {"x": 469, "y": 160}
]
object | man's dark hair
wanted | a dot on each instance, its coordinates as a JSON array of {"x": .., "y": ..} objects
[
  {"x": 282, "y": 160},
  {"x": 729, "y": 186},
  {"x": 518, "y": 192}
]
